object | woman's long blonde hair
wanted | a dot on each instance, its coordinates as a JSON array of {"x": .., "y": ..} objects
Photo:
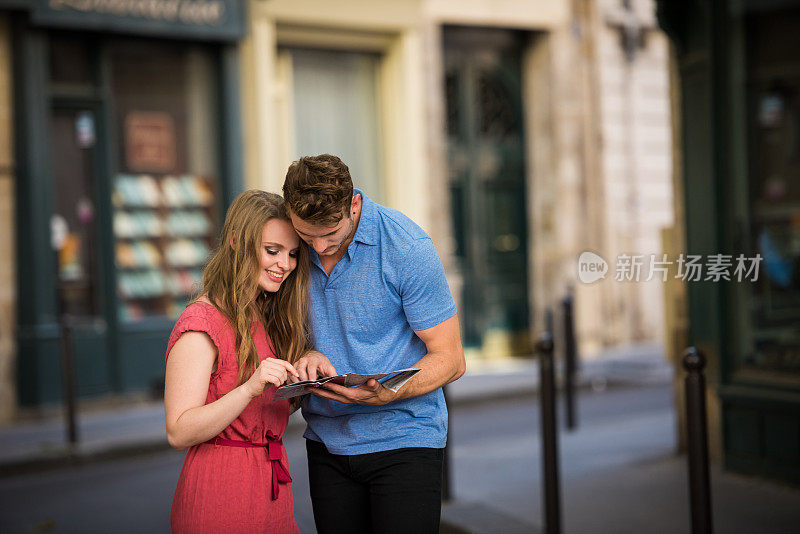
[{"x": 230, "y": 281}]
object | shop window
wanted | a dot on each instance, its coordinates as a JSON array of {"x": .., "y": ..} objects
[
  {"x": 766, "y": 88},
  {"x": 165, "y": 191},
  {"x": 73, "y": 221},
  {"x": 71, "y": 61}
]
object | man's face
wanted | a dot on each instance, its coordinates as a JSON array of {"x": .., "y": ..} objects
[{"x": 325, "y": 240}]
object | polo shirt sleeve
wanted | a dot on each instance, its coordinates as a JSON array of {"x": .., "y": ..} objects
[{"x": 426, "y": 297}]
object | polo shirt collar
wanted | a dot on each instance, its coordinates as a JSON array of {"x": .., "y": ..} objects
[{"x": 367, "y": 231}]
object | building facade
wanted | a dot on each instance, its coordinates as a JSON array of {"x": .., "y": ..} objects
[
  {"x": 737, "y": 80},
  {"x": 8, "y": 288},
  {"x": 126, "y": 139},
  {"x": 518, "y": 134}
]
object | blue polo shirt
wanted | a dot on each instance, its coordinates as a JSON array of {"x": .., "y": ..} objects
[{"x": 389, "y": 283}]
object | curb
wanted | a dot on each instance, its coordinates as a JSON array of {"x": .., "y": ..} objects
[{"x": 64, "y": 456}]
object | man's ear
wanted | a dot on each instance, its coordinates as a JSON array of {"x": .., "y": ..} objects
[{"x": 355, "y": 204}]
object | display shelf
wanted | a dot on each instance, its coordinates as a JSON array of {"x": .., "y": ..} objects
[
  {"x": 125, "y": 239},
  {"x": 165, "y": 227},
  {"x": 138, "y": 268},
  {"x": 197, "y": 235}
]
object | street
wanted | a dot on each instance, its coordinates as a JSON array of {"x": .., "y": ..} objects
[
  {"x": 495, "y": 460},
  {"x": 497, "y": 445}
]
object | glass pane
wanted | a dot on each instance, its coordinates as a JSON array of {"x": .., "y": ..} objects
[
  {"x": 498, "y": 118},
  {"x": 335, "y": 111},
  {"x": 73, "y": 219},
  {"x": 165, "y": 191},
  {"x": 767, "y": 91},
  {"x": 454, "y": 118},
  {"x": 70, "y": 61}
]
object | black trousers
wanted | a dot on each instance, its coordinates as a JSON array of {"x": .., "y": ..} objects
[{"x": 397, "y": 491}]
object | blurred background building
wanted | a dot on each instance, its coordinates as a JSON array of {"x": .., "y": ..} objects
[
  {"x": 517, "y": 133},
  {"x": 737, "y": 100},
  {"x": 126, "y": 151}
]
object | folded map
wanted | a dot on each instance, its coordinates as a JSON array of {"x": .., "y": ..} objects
[{"x": 393, "y": 380}]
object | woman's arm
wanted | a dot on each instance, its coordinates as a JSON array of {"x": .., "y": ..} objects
[{"x": 189, "y": 420}]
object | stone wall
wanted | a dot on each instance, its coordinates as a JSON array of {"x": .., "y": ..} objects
[
  {"x": 605, "y": 133},
  {"x": 8, "y": 394}
]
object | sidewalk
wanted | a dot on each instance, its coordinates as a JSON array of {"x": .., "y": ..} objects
[
  {"x": 650, "y": 497},
  {"x": 636, "y": 365},
  {"x": 122, "y": 431}
]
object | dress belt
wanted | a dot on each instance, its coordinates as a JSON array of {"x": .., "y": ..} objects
[{"x": 274, "y": 446}]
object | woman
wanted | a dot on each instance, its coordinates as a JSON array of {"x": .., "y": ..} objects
[{"x": 228, "y": 350}]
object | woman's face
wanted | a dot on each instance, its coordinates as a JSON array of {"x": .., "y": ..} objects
[{"x": 279, "y": 249}]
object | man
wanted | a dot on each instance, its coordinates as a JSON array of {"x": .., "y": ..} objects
[{"x": 380, "y": 302}]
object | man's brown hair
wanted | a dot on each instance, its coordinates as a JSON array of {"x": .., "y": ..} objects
[{"x": 318, "y": 189}]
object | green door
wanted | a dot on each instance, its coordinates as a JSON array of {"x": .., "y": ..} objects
[{"x": 487, "y": 184}]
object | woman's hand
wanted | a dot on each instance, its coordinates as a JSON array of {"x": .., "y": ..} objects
[
  {"x": 270, "y": 372},
  {"x": 313, "y": 365}
]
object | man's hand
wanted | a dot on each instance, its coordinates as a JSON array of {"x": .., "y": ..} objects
[
  {"x": 371, "y": 392},
  {"x": 313, "y": 365}
]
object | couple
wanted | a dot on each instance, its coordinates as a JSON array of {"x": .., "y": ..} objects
[{"x": 367, "y": 295}]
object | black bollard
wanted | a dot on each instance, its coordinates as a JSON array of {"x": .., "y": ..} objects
[
  {"x": 697, "y": 436},
  {"x": 547, "y": 391},
  {"x": 570, "y": 362}
]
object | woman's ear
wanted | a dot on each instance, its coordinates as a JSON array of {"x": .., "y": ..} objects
[{"x": 233, "y": 243}]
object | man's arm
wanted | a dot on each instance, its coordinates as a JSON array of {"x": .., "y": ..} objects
[{"x": 443, "y": 363}]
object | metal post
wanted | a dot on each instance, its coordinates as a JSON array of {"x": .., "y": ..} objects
[
  {"x": 446, "y": 455},
  {"x": 58, "y": 232},
  {"x": 697, "y": 436},
  {"x": 570, "y": 362},
  {"x": 547, "y": 390},
  {"x": 68, "y": 377}
]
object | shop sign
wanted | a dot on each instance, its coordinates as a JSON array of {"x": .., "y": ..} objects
[
  {"x": 150, "y": 142},
  {"x": 205, "y": 19}
]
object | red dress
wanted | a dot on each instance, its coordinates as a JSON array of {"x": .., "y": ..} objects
[{"x": 233, "y": 487}]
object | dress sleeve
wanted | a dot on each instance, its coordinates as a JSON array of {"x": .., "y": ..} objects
[{"x": 192, "y": 321}]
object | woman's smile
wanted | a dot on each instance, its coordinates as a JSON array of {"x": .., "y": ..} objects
[{"x": 275, "y": 276}]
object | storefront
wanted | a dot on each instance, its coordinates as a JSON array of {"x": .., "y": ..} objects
[
  {"x": 128, "y": 150},
  {"x": 739, "y": 66}
]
